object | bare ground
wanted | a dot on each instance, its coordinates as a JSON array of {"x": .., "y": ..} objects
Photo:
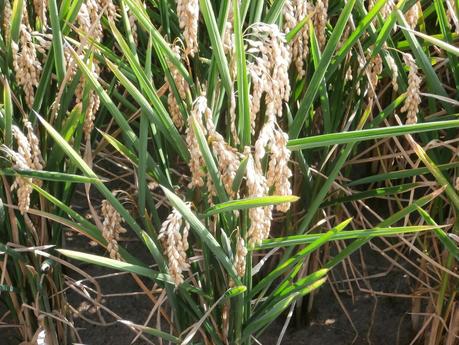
[{"x": 370, "y": 319}]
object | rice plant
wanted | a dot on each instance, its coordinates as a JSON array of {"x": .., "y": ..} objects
[{"x": 251, "y": 122}]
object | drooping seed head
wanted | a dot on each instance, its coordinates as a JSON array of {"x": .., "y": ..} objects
[
  {"x": 133, "y": 25},
  {"x": 91, "y": 30},
  {"x": 294, "y": 12},
  {"x": 36, "y": 162},
  {"x": 188, "y": 14},
  {"x": 320, "y": 21},
  {"x": 111, "y": 228},
  {"x": 375, "y": 69},
  {"x": 228, "y": 159},
  {"x": 26, "y": 66},
  {"x": 240, "y": 256},
  {"x": 175, "y": 244},
  {"x": 90, "y": 115},
  {"x": 413, "y": 97},
  {"x": 269, "y": 70},
  {"x": 40, "y": 7},
  {"x": 7, "y": 13},
  {"x": 412, "y": 15},
  {"x": 196, "y": 162},
  {"x": 260, "y": 217},
  {"x": 279, "y": 173},
  {"x": 182, "y": 88},
  {"x": 387, "y": 8},
  {"x": 452, "y": 15},
  {"x": 394, "y": 69},
  {"x": 110, "y": 8},
  {"x": 22, "y": 160}
]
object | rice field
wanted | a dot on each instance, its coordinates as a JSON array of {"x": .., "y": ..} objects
[{"x": 231, "y": 164}]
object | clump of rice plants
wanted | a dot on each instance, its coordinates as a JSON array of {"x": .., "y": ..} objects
[
  {"x": 250, "y": 122},
  {"x": 33, "y": 305}
]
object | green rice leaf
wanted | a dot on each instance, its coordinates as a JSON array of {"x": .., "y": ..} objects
[
  {"x": 368, "y": 134},
  {"x": 243, "y": 204}
]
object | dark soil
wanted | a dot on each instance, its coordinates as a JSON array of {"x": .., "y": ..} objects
[
  {"x": 377, "y": 320},
  {"x": 135, "y": 307}
]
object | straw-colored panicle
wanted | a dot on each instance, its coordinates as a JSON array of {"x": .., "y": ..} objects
[
  {"x": 413, "y": 97},
  {"x": 133, "y": 25},
  {"x": 375, "y": 69},
  {"x": 320, "y": 21},
  {"x": 196, "y": 163},
  {"x": 370, "y": 5},
  {"x": 36, "y": 160},
  {"x": 270, "y": 76},
  {"x": 42, "y": 42},
  {"x": 280, "y": 84},
  {"x": 233, "y": 118},
  {"x": 175, "y": 245},
  {"x": 211, "y": 190},
  {"x": 7, "y": 13},
  {"x": 174, "y": 109},
  {"x": 294, "y": 12},
  {"x": 349, "y": 72},
  {"x": 112, "y": 228},
  {"x": 227, "y": 157},
  {"x": 348, "y": 76},
  {"x": 90, "y": 27},
  {"x": 228, "y": 37},
  {"x": 79, "y": 93},
  {"x": 24, "y": 149},
  {"x": 230, "y": 49},
  {"x": 188, "y": 14},
  {"x": 257, "y": 74},
  {"x": 92, "y": 103},
  {"x": 412, "y": 15},
  {"x": 387, "y": 8},
  {"x": 22, "y": 160},
  {"x": 89, "y": 21},
  {"x": 279, "y": 173},
  {"x": 264, "y": 139},
  {"x": 269, "y": 71},
  {"x": 40, "y": 7},
  {"x": 260, "y": 217},
  {"x": 394, "y": 70},
  {"x": 347, "y": 30},
  {"x": 182, "y": 88},
  {"x": 83, "y": 19},
  {"x": 452, "y": 15},
  {"x": 110, "y": 8},
  {"x": 361, "y": 65},
  {"x": 23, "y": 186},
  {"x": 25, "y": 63},
  {"x": 70, "y": 64},
  {"x": 228, "y": 161},
  {"x": 343, "y": 39},
  {"x": 90, "y": 115},
  {"x": 457, "y": 184},
  {"x": 240, "y": 256}
]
